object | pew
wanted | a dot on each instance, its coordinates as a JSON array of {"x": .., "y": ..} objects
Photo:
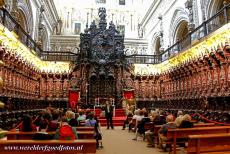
[
  {"x": 48, "y": 146},
  {"x": 84, "y": 128},
  {"x": 82, "y": 123},
  {"x": 183, "y": 133},
  {"x": 158, "y": 127},
  {"x": 78, "y": 128},
  {"x": 209, "y": 143},
  {"x": 29, "y": 135},
  {"x": 2, "y": 134}
]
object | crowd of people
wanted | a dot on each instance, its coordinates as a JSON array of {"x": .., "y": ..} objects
[
  {"x": 64, "y": 123},
  {"x": 138, "y": 121}
]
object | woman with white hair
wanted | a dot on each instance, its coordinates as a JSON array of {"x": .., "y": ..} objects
[
  {"x": 186, "y": 122},
  {"x": 179, "y": 118}
]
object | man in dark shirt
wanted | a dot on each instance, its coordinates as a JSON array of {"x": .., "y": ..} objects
[{"x": 109, "y": 114}]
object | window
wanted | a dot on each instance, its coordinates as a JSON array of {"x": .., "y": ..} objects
[
  {"x": 77, "y": 28},
  {"x": 101, "y": 1},
  {"x": 121, "y": 29},
  {"x": 121, "y": 2}
]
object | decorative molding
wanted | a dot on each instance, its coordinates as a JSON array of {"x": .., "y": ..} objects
[
  {"x": 195, "y": 10},
  {"x": 212, "y": 7}
]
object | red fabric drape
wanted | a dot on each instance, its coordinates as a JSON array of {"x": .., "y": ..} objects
[
  {"x": 128, "y": 94},
  {"x": 73, "y": 98}
]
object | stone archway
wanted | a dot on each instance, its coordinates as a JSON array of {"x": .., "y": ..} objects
[
  {"x": 155, "y": 43},
  {"x": 178, "y": 25},
  {"x": 22, "y": 20},
  {"x": 25, "y": 11},
  {"x": 212, "y": 8},
  {"x": 181, "y": 31}
]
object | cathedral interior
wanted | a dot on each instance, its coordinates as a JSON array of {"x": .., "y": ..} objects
[{"x": 171, "y": 57}]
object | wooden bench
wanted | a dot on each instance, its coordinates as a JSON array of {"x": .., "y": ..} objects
[
  {"x": 209, "y": 143},
  {"x": 82, "y": 123},
  {"x": 29, "y": 135},
  {"x": 183, "y": 133},
  {"x": 48, "y": 146},
  {"x": 158, "y": 127},
  {"x": 84, "y": 128},
  {"x": 3, "y": 134}
]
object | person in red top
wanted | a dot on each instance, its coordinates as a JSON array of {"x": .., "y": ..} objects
[
  {"x": 27, "y": 125},
  {"x": 66, "y": 132}
]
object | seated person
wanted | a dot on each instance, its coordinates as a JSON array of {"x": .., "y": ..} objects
[
  {"x": 130, "y": 115},
  {"x": 186, "y": 122},
  {"x": 164, "y": 129},
  {"x": 81, "y": 116},
  {"x": 73, "y": 122},
  {"x": 150, "y": 134},
  {"x": 42, "y": 134},
  {"x": 91, "y": 122},
  {"x": 141, "y": 125},
  {"x": 132, "y": 123},
  {"x": 138, "y": 121},
  {"x": 179, "y": 118},
  {"x": 161, "y": 117},
  {"x": 67, "y": 115},
  {"x": 66, "y": 132},
  {"x": 53, "y": 124},
  {"x": 27, "y": 125},
  {"x": 39, "y": 118}
]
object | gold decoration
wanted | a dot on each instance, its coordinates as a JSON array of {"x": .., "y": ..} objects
[
  {"x": 2, "y": 104},
  {"x": 1, "y": 63},
  {"x": 205, "y": 46},
  {"x": 1, "y": 82},
  {"x": 13, "y": 45},
  {"x": 2, "y": 3}
]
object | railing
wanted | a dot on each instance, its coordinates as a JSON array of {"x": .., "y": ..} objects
[
  {"x": 207, "y": 27},
  {"x": 143, "y": 59},
  {"x": 58, "y": 56},
  {"x": 11, "y": 24},
  {"x": 8, "y": 21}
]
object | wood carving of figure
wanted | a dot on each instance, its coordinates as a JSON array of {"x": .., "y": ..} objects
[
  {"x": 59, "y": 27},
  {"x": 58, "y": 86},
  {"x": 102, "y": 13}
]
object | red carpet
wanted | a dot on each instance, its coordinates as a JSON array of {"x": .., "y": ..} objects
[{"x": 118, "y": 120}]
